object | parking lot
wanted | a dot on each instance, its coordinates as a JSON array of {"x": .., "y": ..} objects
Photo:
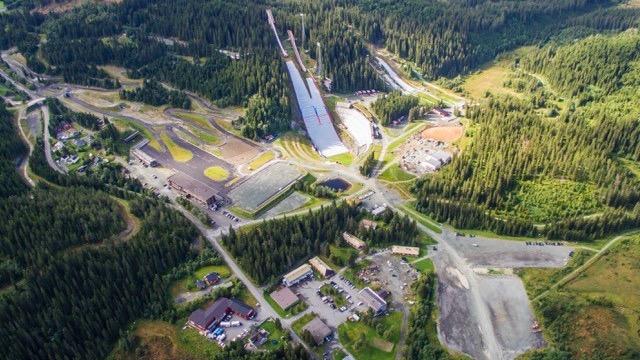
[{"x": 332, "y": 316}]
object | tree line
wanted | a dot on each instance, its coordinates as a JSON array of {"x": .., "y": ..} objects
[
  {"x": 393, "y": 106},
  {"x": 11, "y": 149},
  {"x": 153, "y": 93}
]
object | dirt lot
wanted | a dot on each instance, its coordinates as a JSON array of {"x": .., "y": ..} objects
[
  {"x": 443, "y": 133},
  {"x": 507, "y": 254},
  {"x": 483, "y": 313}
]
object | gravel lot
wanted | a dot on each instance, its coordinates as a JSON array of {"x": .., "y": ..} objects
[
  {"x": 507, "y": 254},
  {"x": 475, "y": 307},
  {"x": 511, "y": 314}
]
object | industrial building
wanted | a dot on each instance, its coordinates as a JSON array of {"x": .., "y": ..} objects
[
  {"x": 376, "y": 303},
  {"x": 354, "y": 241},
  {"x": 192, "y": 188},
  {"x": 301, "y": 273},
  {"x": 203, "y": 320},
  {"x": 145, "y": 158},
  {"x": 405, "y": 250},
  {"x": 321, "y": 267}
]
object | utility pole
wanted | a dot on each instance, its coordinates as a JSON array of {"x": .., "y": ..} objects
[
  {"x": 319, "y": 58},
  {"x": 303, "y": 34}
]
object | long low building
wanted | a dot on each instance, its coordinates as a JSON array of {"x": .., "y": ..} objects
[
  {"x": 299, "y": 274},
  {"x": 144, "y": 157},
  {"x": 354, "y": 241},
  {"x": 405, "y": 250},
  {"x": 192, "y": 188},
  {"x": 284, "y": 297}
]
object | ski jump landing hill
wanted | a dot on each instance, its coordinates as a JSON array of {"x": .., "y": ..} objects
[{"x": 312, "y": 108}]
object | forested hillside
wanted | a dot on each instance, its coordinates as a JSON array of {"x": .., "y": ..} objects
[
  {"x": 11, "y": 148},
  {"x": 516, "y": 147}
]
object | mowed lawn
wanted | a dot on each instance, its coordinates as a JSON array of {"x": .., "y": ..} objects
[
  {"x": 394, "y": 174},
  {"x": 375, "y": 347},
  {"x": 424, "y": 266},
  {"x": 178, "y": 153},
  {"x": 216, "y": 173},
  {"x": 188, "y": 283}
]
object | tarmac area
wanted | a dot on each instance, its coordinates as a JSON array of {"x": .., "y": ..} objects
[
  {"x": 194, "y": 167},
  {"x": 486, "y": 315},
  {"x": 507, "y": 254}
]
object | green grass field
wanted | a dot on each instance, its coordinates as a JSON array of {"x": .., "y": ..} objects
[
  {"x": 188, "y": 283},
  {"x": 207, "y": 137},
  {"x": 169, "y": 342},
  {"x": 341, "y": 254},
  {"x": 275, "y": 335},
  {"x": 216, "y": 173},
  {"x": 345, "y": 159},
  {"x": 178, "y": 153},
  {"x": 424, "y": 266},
  {"x": 375, "y": 346},
  {"x": 394, "y": 174}
]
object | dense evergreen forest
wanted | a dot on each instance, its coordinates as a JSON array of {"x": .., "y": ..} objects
[
  {"x": 265, "y": 254},
  {"x": 393, "y": 106},
  {"x": 11, "y": 149},
  {"x": 587, "y": 143},
  {"x": 153, "y": 93}
]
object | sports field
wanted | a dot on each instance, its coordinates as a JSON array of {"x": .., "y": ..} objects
[{"x": 255, "y": 191}]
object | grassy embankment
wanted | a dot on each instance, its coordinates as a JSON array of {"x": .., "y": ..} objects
[
  {"x": 178, "y": 153},
  {"x": 594, "y": 315}
]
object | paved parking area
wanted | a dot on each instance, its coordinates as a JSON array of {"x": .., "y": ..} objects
[{"x": 333, "y": 317}]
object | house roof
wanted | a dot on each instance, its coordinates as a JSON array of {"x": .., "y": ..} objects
[
  {"x": 215, "y": 312},
  {"x": 405, "y": 250},
  {"x": 372, "y": 299},
  {"x": 318, "y": 330},
  {"x": 284, "y": 297},
  {"x": 239, "y": 307},
  {"x": 212, "y": 277},
  {"x": 353, "y": 241},
  {"x": 192, "y": 186},
  {"x": 320, "y": 266},
  {"x": 297, "y": 273}
]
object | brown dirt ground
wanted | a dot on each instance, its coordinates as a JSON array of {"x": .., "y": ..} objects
[
  {"x": 237, "y": 152},
  {"x": 444, "y": 133}
]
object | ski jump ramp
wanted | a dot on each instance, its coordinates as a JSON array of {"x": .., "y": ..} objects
[{"x": 315, "y": 115}]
